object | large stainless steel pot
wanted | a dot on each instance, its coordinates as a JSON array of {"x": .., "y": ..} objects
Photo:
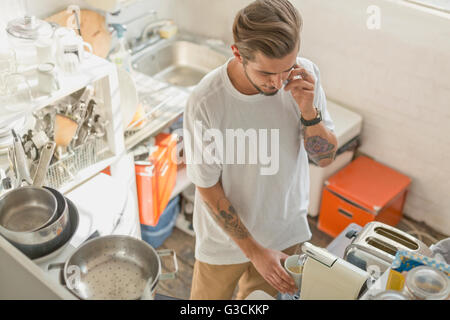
[{"x": 116, "y": 267}]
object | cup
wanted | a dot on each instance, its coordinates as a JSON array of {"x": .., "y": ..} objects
[
  {"x": 59, "y": 34},
  {"x": 45, "y": 50},
  {"x": 18, "y": 92},
  {"x": 74, "y": 44},
  {"x": 47, "y": 78},
  {"x": 295, "y": 268}
]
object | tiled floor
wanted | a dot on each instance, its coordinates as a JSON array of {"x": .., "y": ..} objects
[{"x": 183, "y": 244}]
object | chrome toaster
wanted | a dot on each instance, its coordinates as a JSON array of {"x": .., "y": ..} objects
[{"x": 377, "y": 244}]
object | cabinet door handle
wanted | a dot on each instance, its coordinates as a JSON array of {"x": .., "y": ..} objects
[{"x": 345, "y": 213}]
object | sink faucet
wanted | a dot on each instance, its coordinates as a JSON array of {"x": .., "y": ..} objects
[{"x": 149, "y": 34}]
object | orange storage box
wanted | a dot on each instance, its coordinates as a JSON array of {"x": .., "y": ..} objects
[{"x": 361, "y": 192}]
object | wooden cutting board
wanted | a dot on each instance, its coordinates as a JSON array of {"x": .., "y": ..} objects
[{"x": 93, "y": 29}]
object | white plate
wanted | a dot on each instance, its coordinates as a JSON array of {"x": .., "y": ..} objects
[{"x": 128, "y": 96}]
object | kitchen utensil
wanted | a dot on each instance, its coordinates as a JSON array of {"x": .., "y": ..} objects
[
  {"x": 20, "y": 159},
  {"x": 92, "y": 27},
  {"x": 23, "y": 33},
  {"x": 116, "y": 267},
  {"x": 128, "y": 97},
  {"x": 39, "y": 139},
  {"x": 48, "y": 78},
  {"x": 25, "y": 209},
  {"x": 65, "y": 129},
  {"x": 44, "y": 161},
  {"x": 65, "y": 239},
  {"x": 76, "y": 15},
  {"x": 52, "y": 235},
  {"x": 377, "y": 244},
  {"x": 427, "y": 283},
  {"x": 326, "y": 276}
]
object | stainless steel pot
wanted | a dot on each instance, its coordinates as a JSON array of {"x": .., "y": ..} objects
[
  {"x": 38, "y": 243},
  {"x": 24, "y": 210},
  {"x": 116, "y": 267}
]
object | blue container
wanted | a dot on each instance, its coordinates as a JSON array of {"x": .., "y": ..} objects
[{"x": 155, "y": 236}]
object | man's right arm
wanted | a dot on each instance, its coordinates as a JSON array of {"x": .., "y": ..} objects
[{"x": 266, "y": 261}]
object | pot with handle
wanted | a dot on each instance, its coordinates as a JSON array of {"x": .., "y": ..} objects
[
  {"x": 15, "y": 216},
  {"x": 116, "y": 267}
]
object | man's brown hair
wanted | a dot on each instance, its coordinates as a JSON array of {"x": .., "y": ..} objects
[{"x": 271, "y": 27}]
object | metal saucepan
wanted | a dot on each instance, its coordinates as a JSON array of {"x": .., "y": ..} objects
[
  {"x": 66, "y": 237},
  {"x": 25, "y": 209},
  {"x": 38, "y": 243},
  {"x": 116, "y": 267}
]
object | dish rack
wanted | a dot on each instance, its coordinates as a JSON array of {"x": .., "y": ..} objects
[
  {"x": 65, "y": 170},
  {"x": 161, "y": 103}
]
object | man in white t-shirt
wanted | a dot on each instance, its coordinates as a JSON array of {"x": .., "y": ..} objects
[{"x": 249, "y": 128}]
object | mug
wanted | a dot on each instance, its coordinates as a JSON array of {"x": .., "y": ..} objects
[
  {"x": 45, "y": 50},
  {"x": 59, "y": 34},
  {"x": 47, "y": 78},
  {"x": 75, "y": 44}
]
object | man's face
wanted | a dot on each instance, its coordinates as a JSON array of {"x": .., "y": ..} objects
[{"x": 267, "y": 74}]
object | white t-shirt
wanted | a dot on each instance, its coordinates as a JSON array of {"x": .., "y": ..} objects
[{"x": 270, "y": 195}]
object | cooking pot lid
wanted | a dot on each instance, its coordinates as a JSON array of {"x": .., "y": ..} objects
[{"x": 30, "y": 28}]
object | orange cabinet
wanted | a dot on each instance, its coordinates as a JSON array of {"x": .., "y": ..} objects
[{"x": 363, "y": 191}]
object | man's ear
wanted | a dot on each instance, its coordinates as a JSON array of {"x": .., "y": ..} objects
[{"x": 236, "y": 53}]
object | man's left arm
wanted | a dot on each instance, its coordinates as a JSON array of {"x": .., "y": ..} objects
[{"x": 320, "y": 142}]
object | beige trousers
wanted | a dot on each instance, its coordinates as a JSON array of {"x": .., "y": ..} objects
[{"x": 218, "y": 282}]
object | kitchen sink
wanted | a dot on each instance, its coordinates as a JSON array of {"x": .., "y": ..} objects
[{"x": 178, "y": 62}]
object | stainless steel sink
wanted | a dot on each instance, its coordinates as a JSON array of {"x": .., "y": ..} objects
[{"x": 180, "y": 62}]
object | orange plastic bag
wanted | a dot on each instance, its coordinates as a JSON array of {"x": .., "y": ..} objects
[{"x": 155, "y": 179}]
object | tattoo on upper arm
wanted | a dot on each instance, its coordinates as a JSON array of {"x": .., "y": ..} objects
[{"x": 229, "y": 220}]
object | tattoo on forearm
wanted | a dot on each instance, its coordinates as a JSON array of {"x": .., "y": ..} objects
[
  {"x": 318, "y": 148},
  {"x": 229, "y": 220},
  {"x": 316, "y": 145}
]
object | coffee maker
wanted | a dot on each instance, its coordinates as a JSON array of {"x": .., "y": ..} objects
[{"x": 327, "y": 277}]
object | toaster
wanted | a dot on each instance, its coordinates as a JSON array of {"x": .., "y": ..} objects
[{"x": 375, "y": 246}]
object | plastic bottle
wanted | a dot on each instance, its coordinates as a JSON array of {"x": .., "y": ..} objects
[{"x": 121, "y": 56}]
